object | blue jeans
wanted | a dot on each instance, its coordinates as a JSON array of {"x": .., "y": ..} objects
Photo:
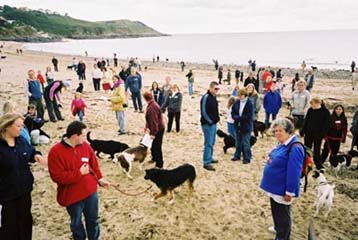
[
  {"x": 190, "y": 88},
  {"x": 80, "y": 115},
  {"x": 209, "y": 141},
  {"x": 242, "y": 144},
  {"x": 120, "y": 119},
  {"x": 267, "y": 118},
  {"x": 137, "y": 97},
  {"x": 89, "y": 207},
  {"x": 231, "y": 129}
]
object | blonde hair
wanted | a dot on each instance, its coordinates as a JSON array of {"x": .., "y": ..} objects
[
  {"x": 8, "y": 107},
  {"x": 316, "y": 100},
  {"x": 7, "y": 120},
  {"x": 230, "y": 102},
  {"x": 78, "y": 94},
  {"x": 176, "y": 86}
]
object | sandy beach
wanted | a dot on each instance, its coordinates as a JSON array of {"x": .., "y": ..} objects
[{"x": 226, "y": 204}]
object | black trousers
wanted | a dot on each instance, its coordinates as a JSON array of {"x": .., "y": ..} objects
[
  {"x": 157, "y": 154},
  {"x": 171, "y": 116},
  {"x": 330, "y": 146},
  {"x": 16, "y": 219},
  {"x": 281, "y": 215},
  {"x": 96, "y": 83},
  {"x": 316, "y": 142}
]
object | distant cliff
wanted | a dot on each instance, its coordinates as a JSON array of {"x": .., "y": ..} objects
[{"x": 23, "y": 24}]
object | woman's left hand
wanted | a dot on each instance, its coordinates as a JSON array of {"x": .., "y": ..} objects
[
  {"x": 40, "y": 159},
  {"x": 287, "y": 198}
]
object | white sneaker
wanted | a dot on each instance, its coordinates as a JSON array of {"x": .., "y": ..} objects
[{"x": 272, "y": 229}]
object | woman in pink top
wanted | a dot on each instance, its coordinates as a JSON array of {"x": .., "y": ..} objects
[{"x": 78, "y": 106}]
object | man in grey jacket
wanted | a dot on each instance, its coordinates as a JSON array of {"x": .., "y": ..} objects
[{"x": 300, "y": 102}]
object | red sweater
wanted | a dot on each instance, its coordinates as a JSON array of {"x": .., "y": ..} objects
[
  {"x": 153, "y": 118},
  {"x": 64, "y": 163}
]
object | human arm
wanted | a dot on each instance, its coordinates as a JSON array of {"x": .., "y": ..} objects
[
  {"x": 25, "y": 86},
  {"x": 204, "y": 109},
  {"x": 294, "y": 168}
]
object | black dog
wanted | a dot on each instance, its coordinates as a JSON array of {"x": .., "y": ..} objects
[
  {"x": 229, "y": 141},
  {"x": 79, "y": 88},
  {"x": 259, "y": 127},
  {"x": 109, "y": 147},
  {"x": 168, "y": 180}
]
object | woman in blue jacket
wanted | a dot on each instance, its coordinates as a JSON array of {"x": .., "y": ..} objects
[
  {"x": 281, "y": 176},
  {"x": 16, "y": 179},
  {"x": 272, "y": 103}
]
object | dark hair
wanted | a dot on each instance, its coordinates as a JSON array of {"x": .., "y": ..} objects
[
  {"x": 75, "y": 128},
  {"x": 148, "y": 96},
  {"x": 31, "y": 106},
  {"x": 334, "y": 111},
  {"x": 153, "y": 85}
]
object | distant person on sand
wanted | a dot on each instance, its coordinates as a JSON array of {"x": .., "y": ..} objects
[
  {"x": 353, "y": 66},
  {"x": 119, "y": 102},
  {"x": 209, "y": 111},
  {"x": 303, "y": 66},
  {"x": 16, "y": 179},
  {"x": 157, "y": 58},
  {"x": 220, "y": 73},
  {"x": 281, "y": 176},
  {"x": 315, "y": 128},
  {"x": 354, "y": 78},
  {"x": 272, "y": 103},
  {"x": 115, "y": 60},
  {"x": 50, "y": 76},
  {"x": 81, "y": 70},
  {"x": 182, "y": 65},
  {"x": 243, "y": 114},
  {"x": 300, "y": 102},
  {"x": 190, "y": 76},
  {"x": 52, "y": 96},
  {"x": 173, "y": 102},
  {"x": 78, "y": 106},
  {"x": 96, "y": 77},
  {"x": 228, "y": 77},
  {"x": 134, "y": 83},
  {"x": 237, "y": 76},
  {"x": 55, "y": 64},
  {"x": 253, "y": 66},
  {"x": 216, "y": 64},
  {"x": 157, "y": 93},
  {"x": 167, "y": 86},
  {"x": 155, "y": 126},
  {"x": 294, "y": 81},
  {"x": 310, "y": 80},
  {"x": 73, "y": 166},
  {"x": 32, "y": 89}
]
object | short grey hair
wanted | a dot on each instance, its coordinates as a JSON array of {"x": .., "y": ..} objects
[{"x": 285, "y": 123}]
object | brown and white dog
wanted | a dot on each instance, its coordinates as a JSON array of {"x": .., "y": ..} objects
[{"x": 127, "y": 157}]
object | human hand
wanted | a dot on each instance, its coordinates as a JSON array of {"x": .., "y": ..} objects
[
  {"x": 152, "y": 136},
  {"x": 104, "y": 183},
  {"x": 40, "y": 159},
  {"x": 287, "y": 198},
  {"x": 84, "y": 169}
]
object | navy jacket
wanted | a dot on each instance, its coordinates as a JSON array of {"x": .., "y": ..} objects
[
  {"x": 16, "y": 178},
  {"x": 35, "y": 90},
  {"x": 134, "y": 83},
  {"x": 209, "y": 109},
  {"x": 243, "y": 124},
  {"x": 272, "y": 102}
]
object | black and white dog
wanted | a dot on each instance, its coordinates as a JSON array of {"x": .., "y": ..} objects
[
  {"x": 109, "y": 147},
  {"x": 229, "y": 140},
  {"x": 325, "y": 193},
  {"x": 342, "y": 160}
]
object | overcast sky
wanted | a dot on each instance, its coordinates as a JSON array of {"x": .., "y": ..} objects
[{"x": 211, "y": 16}]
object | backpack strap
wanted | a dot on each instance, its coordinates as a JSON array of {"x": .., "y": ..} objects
[{"x": 304, "y": 157}]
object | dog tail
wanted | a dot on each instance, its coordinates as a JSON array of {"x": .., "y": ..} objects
[
  {"x": 221, "y": 133},
  {"x": 88, "y": 137}
]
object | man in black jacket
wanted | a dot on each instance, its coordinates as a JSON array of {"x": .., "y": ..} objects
[{"x": 209, "y": 118}]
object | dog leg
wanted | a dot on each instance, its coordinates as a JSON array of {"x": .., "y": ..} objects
[
  {"x": 191, "y": 187},
  {"x": 171, "y": 199},
  {"x": 159, "y": 195},
  {"x": 129, "y": 171},
  {"x": 328, "y": 211}
]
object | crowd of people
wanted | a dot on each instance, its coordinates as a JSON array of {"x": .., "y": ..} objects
[{"x": 73, "y": 165}]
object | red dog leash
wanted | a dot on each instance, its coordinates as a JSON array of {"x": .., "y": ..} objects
[{"x": 117, "y": 188}]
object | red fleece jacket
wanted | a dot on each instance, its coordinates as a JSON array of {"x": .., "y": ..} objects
[
  {"x": 64, "y": 163},
  {"x": 153, "y": 118}
]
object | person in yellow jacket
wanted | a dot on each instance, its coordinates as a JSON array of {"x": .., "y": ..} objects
[{"x": 119, "y": 102}]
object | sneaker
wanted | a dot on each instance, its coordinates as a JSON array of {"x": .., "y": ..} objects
[
  {"x": 272, "y": 229},
  {"x": 246, "y": 162},
  {"x": 141, "y": 111},
  {"x": 121, "y": 133},
  {"x": 61, "y": 119},
  {"x": 214, "y": 161},
  {"x": 209, "y": 168}
]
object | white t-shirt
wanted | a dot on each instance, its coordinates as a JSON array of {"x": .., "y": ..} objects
[{"x": 97, "y": 73}]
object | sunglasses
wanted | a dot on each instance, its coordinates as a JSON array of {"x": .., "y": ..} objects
[{"x": 217, "y": 89}]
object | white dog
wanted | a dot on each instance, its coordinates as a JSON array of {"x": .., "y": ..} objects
[{"x": 325, "y": 193}]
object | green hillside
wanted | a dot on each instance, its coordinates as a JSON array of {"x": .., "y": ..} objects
[{"x": 33, "y": 25}]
